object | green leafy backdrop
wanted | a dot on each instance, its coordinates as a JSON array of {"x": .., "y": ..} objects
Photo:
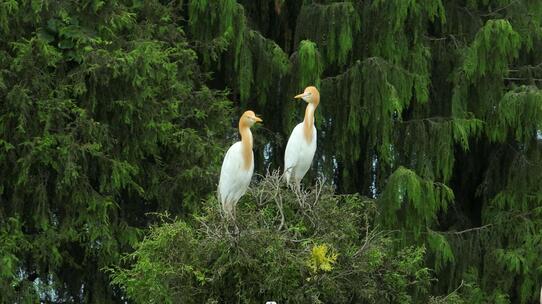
[{"x": 110, "y": 111}]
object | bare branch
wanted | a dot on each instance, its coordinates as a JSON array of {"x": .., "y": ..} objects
[
  {"x": 522, "y": 79},
  {"x": 466, "y": 230}
]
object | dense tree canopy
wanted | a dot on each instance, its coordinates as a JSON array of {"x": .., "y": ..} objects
[
  {"x": 429, "y": 136},
  {"x": 105, "y": 116}
]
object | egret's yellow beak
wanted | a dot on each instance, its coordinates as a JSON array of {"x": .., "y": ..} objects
[
  {"x": 300, "y": 95},
  {"x": 257, "y": 119}
]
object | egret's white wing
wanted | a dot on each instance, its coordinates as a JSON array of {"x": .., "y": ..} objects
[
  {"x": 299, "y": 154},
  {"x": 293, "y": 147}
]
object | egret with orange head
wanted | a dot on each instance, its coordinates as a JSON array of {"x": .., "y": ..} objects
[
  {"x": 302, "y": 143},
  {"x": 238, "y": 166}
]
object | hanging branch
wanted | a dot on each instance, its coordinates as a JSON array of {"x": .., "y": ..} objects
[
  {"x": 522, "y": 79},
  {"x": 466, "y": 230},
  {"x": 493, "y": 13}
]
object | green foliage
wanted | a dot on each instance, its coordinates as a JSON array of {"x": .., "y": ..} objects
[
  {"x": 519, "y": 115},
  {"x": 212, "y": 24},
  {"x": 391, "y": 22},
  {"x": 270, "y": 63},
  {"x": 411, "y": 202},
  {"x": 375, "y": 92},
  {"x": 514, "y": 214},
  {"x": 13, "y": 245},
  {"x": 261, "y": 63},
  {"x": 485, "y": 63},
  {"x": 201, "y": 262},
  {"x": 442, "y": 250},
  {"x": 395, "y": 30},
  {"x": 494, "y": 46},
  {"x": 99, "y": 124},
  {"x": 477, "y": 295},
  {"x": 106, "y": 114},
  {"x": 309, "y": 64},
  {"x": 252, "y": 61},
  {"x": 434, "y": 139},
  {"x": 331, "y": 26}
]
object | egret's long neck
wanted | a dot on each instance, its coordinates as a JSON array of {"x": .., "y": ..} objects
[
  {"x": 308, "y": 122},
  {"x": 246, "y": 144}
]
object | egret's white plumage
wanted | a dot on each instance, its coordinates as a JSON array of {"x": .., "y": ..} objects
[
  {"x": 299, "y": 154},
  {"x": 302, "y": 142},
  {"x": 233, "y": 180},
  {"x": 237, "y": 167}
]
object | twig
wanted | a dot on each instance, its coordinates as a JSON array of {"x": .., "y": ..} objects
[
  {"x": 520, "y": 215},
  {"x": 460, "y": 285},
  {"x": 466, "y": 230},
  {"x": 522, "y": 79},
  {"x": 499, "y": 9},
  {"x": 435, "y": 38}
]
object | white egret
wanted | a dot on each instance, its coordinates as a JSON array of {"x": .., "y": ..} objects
[
  {"x": 302, "y": 143},
  {"x": 238, "y": 166}
]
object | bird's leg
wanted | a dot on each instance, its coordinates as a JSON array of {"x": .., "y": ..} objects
[
  {"x": 228, "y": 218},
  {"x": 226, "y": 222},
  {"x": 231, "y": 220},
  {"x": 235, "y": 233},
  {"x": 284, "y": 175},
  {"x": 236, "y": 230},
  {"x": 299, "y": 194},
  {"x": 278, "y": 200}
]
